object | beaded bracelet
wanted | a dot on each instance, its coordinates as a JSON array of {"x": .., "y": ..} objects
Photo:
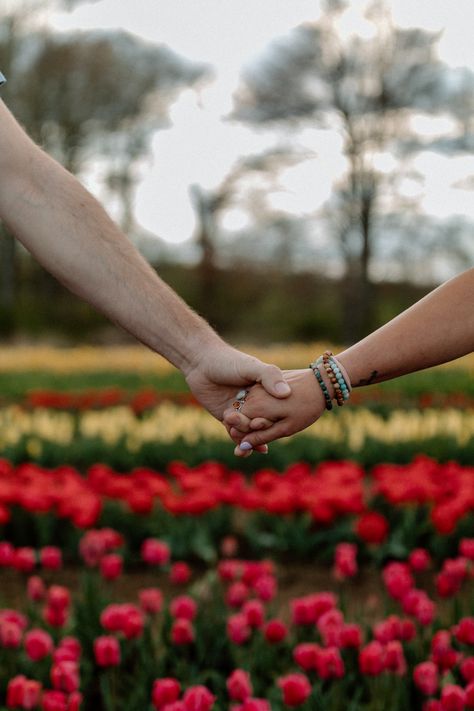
[
  {"x": 323, "y": 385},
  {"x": 341, "y": 391},
  {"x": 337, "y": 376}
]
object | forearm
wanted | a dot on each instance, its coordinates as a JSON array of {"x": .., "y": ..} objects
[
  {"x": 71, "y": 235},
  {"x": 435, "y": 330}
]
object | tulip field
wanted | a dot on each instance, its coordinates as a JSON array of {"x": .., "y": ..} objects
[{"x": 143, "y": 567}]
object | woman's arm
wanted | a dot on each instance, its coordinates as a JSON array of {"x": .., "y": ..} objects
[
  {"x": 72, "y": 236},
  {"x": 437, "y": 329}
]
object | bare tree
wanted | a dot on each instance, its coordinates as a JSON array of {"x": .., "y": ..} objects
[{"x": 367, "y": 89}]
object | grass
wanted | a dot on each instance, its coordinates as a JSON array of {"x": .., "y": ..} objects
[{"x": 17, "y": 385}]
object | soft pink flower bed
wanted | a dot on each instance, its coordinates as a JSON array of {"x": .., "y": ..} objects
[{"x": 223, "y": 641}]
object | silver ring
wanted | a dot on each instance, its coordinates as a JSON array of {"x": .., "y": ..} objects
[{"x": 240, "y": 400}]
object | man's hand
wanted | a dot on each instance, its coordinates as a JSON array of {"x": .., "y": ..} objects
[{"x": 221, "y": 371}]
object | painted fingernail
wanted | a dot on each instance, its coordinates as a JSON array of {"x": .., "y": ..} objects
[
  {"x": 245, "y": 446},
  {"x": 282, "y": 388}
]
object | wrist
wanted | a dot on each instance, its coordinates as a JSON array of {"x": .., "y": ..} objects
[
  {"x": 359, "y": 367},
  {"x": 198, "y": 350}
]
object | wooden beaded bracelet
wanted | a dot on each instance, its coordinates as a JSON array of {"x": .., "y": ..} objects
[{"x": 331, "y": 372}]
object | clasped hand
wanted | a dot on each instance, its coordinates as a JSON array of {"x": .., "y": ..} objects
[{"x": 263, "y": 418}]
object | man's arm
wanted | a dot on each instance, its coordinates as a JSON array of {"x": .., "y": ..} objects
[{"x": 72, "y": 236}]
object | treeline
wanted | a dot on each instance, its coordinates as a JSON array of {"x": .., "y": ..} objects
[{"x": 245, "y": 305}]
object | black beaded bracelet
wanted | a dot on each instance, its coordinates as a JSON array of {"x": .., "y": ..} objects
[{"x": 321, "y": 382}]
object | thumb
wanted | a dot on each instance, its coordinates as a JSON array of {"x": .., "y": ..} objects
[{"x": 270, "y": 377}]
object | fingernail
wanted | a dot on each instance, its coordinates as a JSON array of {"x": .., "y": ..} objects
[
  {"x": 245, "y": 446},
  {"x": 265, "y": 451},
  {"x": 282, "y": 388}
]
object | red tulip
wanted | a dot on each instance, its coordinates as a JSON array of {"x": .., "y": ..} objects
[
  {"x": 296, "y": 689},
  {"x": 238, "y": 630},
  {"x": 133, "y": 621},
  {"x": 7, "y": 554},
  {"x": 107, "y": 651},
  {"x": 442, "y": 653},
  {"x": 419, "y": 559},
  {"x": 51, "y": 558},
  {"x": 155, "y": 552},
  {"x": 394, "y": 659},
  {"x": 371, "y": 659},
  {"x": 329, "y": 663},
  {"x": 15, "y": 690},
  {"x": 275, "y": 631},
  {"x": 239, "y": 686},
  {"x": 69, "y": 650},
  {"x": 237, "y": 594},
  {"x": 14, "y": 616},
  {"x": 307, "y": 610},
  {"x": 111, "y": 566},
  {"x": 58, "y": 597},
  {"x": 254, "y": 613},
  {"x": 345, "y": 561},
  {"x": 151, "y": 600},
  {"x": 65, "y": 676},
  {"x": 372, "y": 527},
  {"x": 398, "y": 579},
  {"x": 466, "y": 548},
  {"x": 10, "y": 634},
  {"x": 254, "y": 705},
  {"x": 74, "y": 701},
  {"x": 198, "y": 698},
  {"x": 350, "y": 635},
  {"x": 22, "y": 692},
  {"x": 36, "y": 589},
  {"x": 24, "y": 559},
  {"x": 432, "y": 705},
  {"x": 306, "y": 655},
  {"x": 38, "y": 644},
  {"x": 92, "y": 547},
  {"x": 466, "y": 668},
  {"x": 183, "y": 606},
  {"x": 182, "y": 631},
  {"x": 180, "y": 573},
  {"x": 54, "y": 701},
  {"x": 470, "y": 695},
  {"x": 425, "y": 676},
  {"x": 165, "y": 691},
  {"x": 55, "y": 616},
  {"x": 266, "y": 587},
  {"x": 464, "y": 631},
  {"x": 453, "y": 698}
]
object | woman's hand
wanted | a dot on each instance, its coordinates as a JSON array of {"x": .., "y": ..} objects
[{"x": 263, "y": 419}]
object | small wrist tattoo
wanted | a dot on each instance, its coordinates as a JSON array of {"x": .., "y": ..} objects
[{"x": 370, "y": 380}]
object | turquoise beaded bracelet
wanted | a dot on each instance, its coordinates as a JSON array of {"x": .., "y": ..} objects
[{"x": 337, "y": 378}]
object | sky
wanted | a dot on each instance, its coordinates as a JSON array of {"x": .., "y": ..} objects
[{"x": 200, "y": 147}]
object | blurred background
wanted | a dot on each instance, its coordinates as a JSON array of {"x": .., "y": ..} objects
[{"x": 295, "y": 170}]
